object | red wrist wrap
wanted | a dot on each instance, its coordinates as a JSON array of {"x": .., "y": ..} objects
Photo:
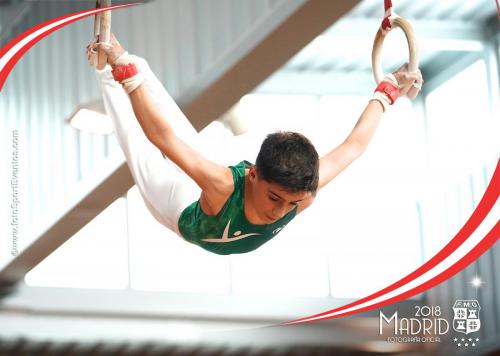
[
  {"x": 388, "y": 89},
  {"x": 124, "y": 72}
]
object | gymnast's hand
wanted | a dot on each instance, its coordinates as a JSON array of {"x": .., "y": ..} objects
[
  {"x": 113, "y": 50},
  {"x": 92, "y": 52},
  {"x": 410, "y": 83}
]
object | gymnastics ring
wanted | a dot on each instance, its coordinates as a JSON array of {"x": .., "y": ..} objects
[
  {"x": 102, "y": 30},
  {"x": 400, "y": 22}
]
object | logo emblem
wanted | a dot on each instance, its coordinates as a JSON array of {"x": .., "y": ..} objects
[
  {"x": 466, "y": 316},
  {"x": 275, "y": 231},
  {"x": 225, "y": 236}
]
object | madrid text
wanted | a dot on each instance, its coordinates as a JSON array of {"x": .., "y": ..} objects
[{"x": 425, "y": 326}]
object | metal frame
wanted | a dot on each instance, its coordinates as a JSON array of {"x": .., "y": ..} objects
[
  {"x": 267, "y": 53},
  {"x": 441, "y": 71}
]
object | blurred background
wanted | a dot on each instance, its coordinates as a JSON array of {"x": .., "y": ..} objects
[{"x": 89, "y": 271}]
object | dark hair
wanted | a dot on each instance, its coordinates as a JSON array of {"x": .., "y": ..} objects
[{"x": 290, "y": 160}]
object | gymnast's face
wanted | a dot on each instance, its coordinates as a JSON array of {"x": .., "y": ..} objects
[{"x": 271, "y": 200}]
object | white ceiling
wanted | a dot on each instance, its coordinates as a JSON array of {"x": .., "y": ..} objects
[{"x": 339, "y": 60}]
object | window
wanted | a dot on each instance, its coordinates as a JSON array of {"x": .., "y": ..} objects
[
  {"x": 370, "y": 209},
  {"x": 462, "y": 150},
  {"x": 95, "y": 257}
]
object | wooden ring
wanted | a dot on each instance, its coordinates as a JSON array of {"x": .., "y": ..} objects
[{"x": 400, "y": 22}]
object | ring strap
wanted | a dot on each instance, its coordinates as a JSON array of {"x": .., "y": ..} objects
[
  {"x": 389, "y": 89},
  {"x": 387, "y": 22},
  {"x": 120, "y": 73}
]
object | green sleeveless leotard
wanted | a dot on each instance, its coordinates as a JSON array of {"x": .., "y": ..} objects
[{"x": 229, "y": 231}]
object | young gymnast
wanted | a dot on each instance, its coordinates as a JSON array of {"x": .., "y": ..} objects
[{"x": 224, "y": 210}]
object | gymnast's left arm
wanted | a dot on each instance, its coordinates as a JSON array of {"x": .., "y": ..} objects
[
  {"x": 398, "y": 84},
  {"x": 353, "y": 146}
]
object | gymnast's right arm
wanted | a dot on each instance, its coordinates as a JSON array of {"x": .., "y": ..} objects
[
  {"x": 207, "y": 174},
  {"x": 215, "y": 180}
]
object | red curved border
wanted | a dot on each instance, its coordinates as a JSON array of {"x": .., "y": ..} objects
[
  {"x": 475, "y": 253},
  {"x": 4, "y": 72},
  {"x": 474, "y": 221},
  {"x": 485, "y": 205}
]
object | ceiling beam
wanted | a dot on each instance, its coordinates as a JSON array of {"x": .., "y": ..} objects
[
  {"x": 432, "y": 35},
  {"x": 440, "y": 29},
  {"x": 318, "y": 83},
  {"x": 210, "y": 99}
]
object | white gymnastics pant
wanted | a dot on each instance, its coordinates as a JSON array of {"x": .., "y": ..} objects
[{"x": 165, "y": 188}]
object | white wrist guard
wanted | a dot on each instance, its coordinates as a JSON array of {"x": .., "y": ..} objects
[
  {"x": 132, "y": 83},
  {"x": 124, "y": 59},
  {"x": 383, "y": 99}
]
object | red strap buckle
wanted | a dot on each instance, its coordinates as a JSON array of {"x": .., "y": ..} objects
[
  {"x": 386, "y": 23},
  {"x": 124, "y": 72},
  {"x": 388, "y": 89}
]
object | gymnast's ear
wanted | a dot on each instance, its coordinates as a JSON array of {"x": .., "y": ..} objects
[{"x": 253, "y": 172}]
